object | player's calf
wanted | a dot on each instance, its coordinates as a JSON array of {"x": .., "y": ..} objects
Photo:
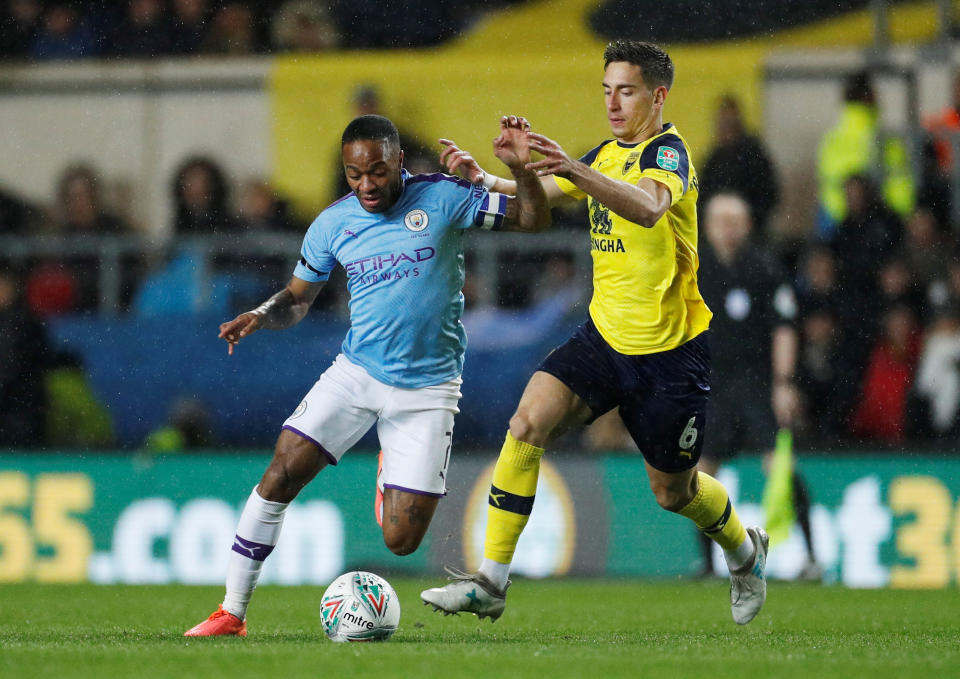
[{"x": 406, "y": 518}]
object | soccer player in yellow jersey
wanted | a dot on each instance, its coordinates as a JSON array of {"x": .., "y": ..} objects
[{"x": 644, "y": 347}]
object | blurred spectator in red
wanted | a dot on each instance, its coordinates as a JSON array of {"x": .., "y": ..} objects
[
  {"x": 937, "y": 385},
  {"x": 739, "y": 162},
  {"x": 80, "y": 211},
  {"x": 145, "y": 30},
  {"x": 232, "y": 31},
  {"x": 880, "y": 414},
  {"x": 51, "y": 288},
  {"x": 63, "y": 34},
  {"x": 24, "y": 348},
  {"x": 191, "y": 20},
  {"x": 19, "y": 21},
  {"x": 304, "y": 26},
  {"x": 200, "y": 195}
]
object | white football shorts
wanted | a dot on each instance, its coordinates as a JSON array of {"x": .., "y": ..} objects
[{"x": 415, "y": 426}]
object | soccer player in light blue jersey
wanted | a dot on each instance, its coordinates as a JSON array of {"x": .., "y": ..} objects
[{"x": 400, "y": 240}]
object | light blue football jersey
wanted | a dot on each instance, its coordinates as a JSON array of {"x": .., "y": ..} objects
[{"x": 405, "y": 273}]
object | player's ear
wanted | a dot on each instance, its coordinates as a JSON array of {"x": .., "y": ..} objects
[
  {"x": 401, "y": 158},
  {"x": 660, "y": 95}
]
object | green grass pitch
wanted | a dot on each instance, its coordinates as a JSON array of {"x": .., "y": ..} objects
[{"x": 553, "y": 628}]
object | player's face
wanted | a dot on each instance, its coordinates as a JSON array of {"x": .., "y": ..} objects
[
  {"x": 372, "y": 167},
  {"x": 632, "y": 107}
]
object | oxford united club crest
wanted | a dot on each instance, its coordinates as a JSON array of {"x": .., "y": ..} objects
[{"x": 416, "y": 220}]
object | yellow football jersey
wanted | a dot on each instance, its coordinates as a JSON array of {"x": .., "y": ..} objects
[{"x": 645, "y": 295}]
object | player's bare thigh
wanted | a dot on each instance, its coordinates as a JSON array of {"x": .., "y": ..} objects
[
  {"x": 547, "y": 409},
  {"x": 295, "y": 462},
  {"x": 406, "y": 517}
]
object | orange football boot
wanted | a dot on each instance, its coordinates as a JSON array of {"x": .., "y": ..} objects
[
  {"x": 378, "y": 500},
  {"x": 219, "y": 624}
]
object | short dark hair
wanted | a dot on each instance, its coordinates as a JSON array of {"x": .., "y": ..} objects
[
  {"x": 654, "y": 63},
  {"x": 371, "y": 127}
]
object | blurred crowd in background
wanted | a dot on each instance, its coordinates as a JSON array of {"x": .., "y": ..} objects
[
  {"x": 877, "y": 277},
  {"x": 77, "y": 29}
]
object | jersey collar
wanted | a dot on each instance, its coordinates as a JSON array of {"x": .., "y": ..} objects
[{"x": 631, "y": 145}]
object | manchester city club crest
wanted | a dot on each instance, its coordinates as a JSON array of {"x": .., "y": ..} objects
[
  {"x": 416, "y": 220},
  {"x": 301, "y": 409}
]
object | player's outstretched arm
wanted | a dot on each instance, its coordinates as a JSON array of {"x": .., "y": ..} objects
[
  {"x": 459, "y": 161},
  {"x": 643, "y": 203},
  {"x": 529, "y": 211},
  {"x": 282, "y": 310}
]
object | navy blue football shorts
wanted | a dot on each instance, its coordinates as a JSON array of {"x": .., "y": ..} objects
[{"x": 662, "y": 397}]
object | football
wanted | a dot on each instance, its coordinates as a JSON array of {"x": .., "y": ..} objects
[{"x": 359, "y": 606}]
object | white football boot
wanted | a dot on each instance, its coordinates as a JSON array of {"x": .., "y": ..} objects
[
  {"x": 748, "y": 585},
  {"x": 468, "y": 593}
]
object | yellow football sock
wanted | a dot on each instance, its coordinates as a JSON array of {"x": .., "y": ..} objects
[
  {"x": 511, "y": 497},
  {"x": 713, "y": 514}
]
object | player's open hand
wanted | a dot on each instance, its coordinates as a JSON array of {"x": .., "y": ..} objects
[
  {"x": 555, "y": 159},
  {"x": 241, "y": 326},
  {"x": 512, "y": 146},
  {"x": 458, "y": 161}
]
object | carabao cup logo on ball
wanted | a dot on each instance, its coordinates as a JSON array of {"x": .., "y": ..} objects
[{"x": 416, "y": 220}]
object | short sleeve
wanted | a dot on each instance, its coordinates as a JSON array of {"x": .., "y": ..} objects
[
  {"x": 569, "y": 188},
  {"x": 665, "y": 160},
  {"x": 316, "y": 261}
]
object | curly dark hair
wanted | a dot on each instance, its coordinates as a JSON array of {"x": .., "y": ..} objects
[{"x": 654, "y": 63}]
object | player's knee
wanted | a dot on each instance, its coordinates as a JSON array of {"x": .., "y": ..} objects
[
  {"x": 277, "y": 484},
  {"x": 672, "y": 497},
  {"x": 524, "y": 427},
  {"x": 281, "y": 482},
  {"x": 401, "y": 544}
]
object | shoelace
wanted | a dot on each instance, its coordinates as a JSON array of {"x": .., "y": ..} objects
[{"x": 456, "y": 574}]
